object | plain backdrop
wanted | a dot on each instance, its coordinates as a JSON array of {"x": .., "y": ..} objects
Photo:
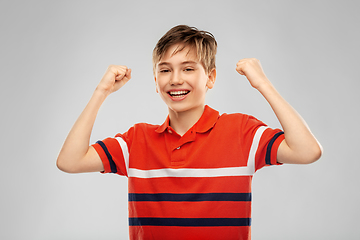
[{"x": 53, "y": 54}]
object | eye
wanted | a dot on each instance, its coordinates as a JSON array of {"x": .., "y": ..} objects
[
  {"x": 188, "y": 69},
  {"x": 164, "y": 70}
]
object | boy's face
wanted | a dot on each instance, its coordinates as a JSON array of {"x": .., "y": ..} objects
[{"x": 182, "y": 81}]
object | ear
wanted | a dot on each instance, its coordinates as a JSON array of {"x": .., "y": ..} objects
[
  {"x": 211, "y": 79},
  {"x": 157, "y": 91}
]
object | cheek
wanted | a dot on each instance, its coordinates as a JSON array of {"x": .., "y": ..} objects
[
  {"x": 201, "y": 82},
  {"x": 159, "y": 85}
]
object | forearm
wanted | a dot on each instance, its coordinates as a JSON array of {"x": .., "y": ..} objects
[
  {"x": 77, "y": 142},
  {"x": 76, "y": 155},
  {"x": 300, "y": 145}
]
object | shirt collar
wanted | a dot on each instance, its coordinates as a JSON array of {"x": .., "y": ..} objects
[{"x": 206, "y": 121}]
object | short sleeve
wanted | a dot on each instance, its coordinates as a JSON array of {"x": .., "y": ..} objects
[
  {"x": 114, "y": 154},
  {"x": 266, "y": 142},
  {"x": 266, "y": 154}
]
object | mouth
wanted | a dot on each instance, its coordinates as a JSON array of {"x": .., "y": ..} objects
[{"x": 178, "y": 94}]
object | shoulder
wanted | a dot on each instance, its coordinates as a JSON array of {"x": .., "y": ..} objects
[
  {"x": 142, "y": 127},
  {"x": 139, "y": 130},
  {"x": 238, "y": 123},
  {"x": 139, "y": 133},
  {"x": 237, "y": 117},
  {"x": 146, "y": 126}
]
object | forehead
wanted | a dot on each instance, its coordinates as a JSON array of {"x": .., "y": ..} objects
[{"x": 180, "y": 52}]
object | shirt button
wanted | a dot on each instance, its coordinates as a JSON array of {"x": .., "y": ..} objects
[
  {"x": 169, "y": 131},
  {"x": 178, "y": 148}
]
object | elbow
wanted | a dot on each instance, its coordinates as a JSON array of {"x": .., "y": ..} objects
[
  {"x": 62, "y": 166},
  {"x": 313, "y": 155},
  {"x": 319, "y": 152}
]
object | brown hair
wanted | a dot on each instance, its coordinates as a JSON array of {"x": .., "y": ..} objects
[{"x": 204, "y": 43}]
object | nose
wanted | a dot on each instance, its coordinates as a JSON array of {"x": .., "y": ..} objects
[{"x": 176, "y": 79}]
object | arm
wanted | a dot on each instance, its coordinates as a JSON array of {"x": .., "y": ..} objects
[
  {"x": 300, "y": 146},
  {"x": 76, "y": 155}
]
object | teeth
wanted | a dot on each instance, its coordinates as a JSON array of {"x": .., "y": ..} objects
[{"x": 177, "y": 93}]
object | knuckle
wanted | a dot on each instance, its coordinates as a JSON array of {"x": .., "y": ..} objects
[{"x": 111, "y": 67}]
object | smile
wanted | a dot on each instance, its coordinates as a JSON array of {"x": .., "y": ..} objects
[{"x": 178, "y": 94}]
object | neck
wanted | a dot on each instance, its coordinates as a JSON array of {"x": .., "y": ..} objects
[{"x": 181, "y": 122}]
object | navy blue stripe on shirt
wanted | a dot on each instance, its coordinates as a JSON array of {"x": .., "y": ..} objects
[
  {"x": 108, "y": 155},
  {"x": 191, "y": 222},
  {"x": 269, "y": 147},
  {"x": 189, "y": 197}
]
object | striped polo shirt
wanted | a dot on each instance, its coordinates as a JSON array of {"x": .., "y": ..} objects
[{"x": 197, "y": 186}]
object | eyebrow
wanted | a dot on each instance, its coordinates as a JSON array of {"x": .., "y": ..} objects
[{"x": 183, "y": 63}]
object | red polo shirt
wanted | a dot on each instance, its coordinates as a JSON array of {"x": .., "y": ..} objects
[{"x": 197, "y": 186}]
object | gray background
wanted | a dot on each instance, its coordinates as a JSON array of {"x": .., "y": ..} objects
[{"x": 53, "y": 54}]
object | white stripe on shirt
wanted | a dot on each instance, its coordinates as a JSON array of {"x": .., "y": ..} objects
[
  {"x": 125, "y": 152},
  {"x": 190, "y": 172},
  {"x": 254, "y": 148}
]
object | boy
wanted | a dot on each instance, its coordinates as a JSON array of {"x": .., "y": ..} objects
[{"x": 189, "y": 178}]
